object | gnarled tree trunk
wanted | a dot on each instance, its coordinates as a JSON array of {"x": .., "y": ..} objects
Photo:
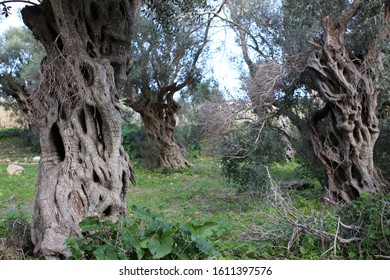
[
  {"x": 159, "y": 121},
  {"x": 84, "y": 169},
  {"x": 344, "y": 132}
]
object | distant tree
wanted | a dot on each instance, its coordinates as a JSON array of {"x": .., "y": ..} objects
[
  {"x": 20, "y": 58},
  {"x": 167, "y": 59},
  {"x": 191, "y": 120}
]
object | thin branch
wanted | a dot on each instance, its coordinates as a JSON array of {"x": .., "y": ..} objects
[{"x": 21, "y": 1}]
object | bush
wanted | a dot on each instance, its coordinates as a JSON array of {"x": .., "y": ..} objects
[
  {"x": 134, "y": 140},
  {"x": 245, "y": 154},
  {"x": 189, "y": 137},
  {"x": 10, "y": 132},
  {"x": 360, "y": 230},
  {"x": 143, "y": 235},
  {"x": 28, "y": 138},
  {"x": 371, "y": 219}
]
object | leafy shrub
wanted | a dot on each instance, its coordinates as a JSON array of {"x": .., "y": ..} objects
[
  {"x": 28, "y": 138},
  {"x": 10, "y": 132},
  {"x": 189, "y": 137},
  {"x": 381, "y": 150},
  {"x": 134, "y": 140},
  {"x": 246, "y": 153},
  {"x": 143, "y": 235},
  {"x": 371, "y": 217}
]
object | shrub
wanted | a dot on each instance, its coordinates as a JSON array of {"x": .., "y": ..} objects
[
  {"x": 28, "y": 138},
  {"x": 134, "y": 140},
  {"x": 381, "y": 150},
  {"x": 371, "y": 219},
  {"x": 143, "y": 235},
  {"x": 360, "y": 230},
  {"x": 245, "y": 154},
  {"x": 189, "y": 137},
  {"x": 10, "y": 132}
]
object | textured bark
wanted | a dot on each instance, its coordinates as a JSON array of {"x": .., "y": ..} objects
[
  {"x": 159, "y": 121},
  {"x": 84, "y": 169},
  {"x": 344, "y": 132}
]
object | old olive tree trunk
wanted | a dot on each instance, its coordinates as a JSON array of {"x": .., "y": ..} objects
[
  {"x": 344, "y": 132},
  {"x": 158, "y": 111},
  {"x": 84, "y": 169}
]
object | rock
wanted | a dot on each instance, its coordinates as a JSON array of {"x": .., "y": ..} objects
[
  {"x": 36, "y": 159},
  {"x": 13, "y": 169}
]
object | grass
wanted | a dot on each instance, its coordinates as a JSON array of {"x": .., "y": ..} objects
[
  {"x": 181, "y": 195},
  {"x": 253, "y": 228},
  {"x": 17, "y": 189},
  {"x": 195, "y": 193}
]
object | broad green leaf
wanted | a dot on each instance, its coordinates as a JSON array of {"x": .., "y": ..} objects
[
  {"x": 204, "y": 246},
  {"x": 105, "y": 252},
  {"x": 161, "y": 247},
  {"x": 90, "y": 224}
]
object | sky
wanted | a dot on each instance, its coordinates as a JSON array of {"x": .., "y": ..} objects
[
  {"x": 225, "y": 62},
  {"x": 13, "y": 19},
  {"x": 223, "y": 48}
]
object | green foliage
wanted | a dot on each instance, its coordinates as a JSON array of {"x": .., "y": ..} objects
[
  {"x": 134, "y": 140},
  {"x": 245, "y": 154},
  {"x": 143, "y": 235},
  {"x": 167, "y": 12},
  {"x": 20, "y": 57},
  {"x": 188, "y": 133},
  {"x": 381, "y": 150},
  {"x": 189, "y": 136},
  {"x": 10, "y": 132},
  {"x": 27, "y": 139},
  {"x": 372, "y": 217}
]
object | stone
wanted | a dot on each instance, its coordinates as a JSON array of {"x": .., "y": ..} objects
[
  {"x": 13, "y": 169},
  {"x": 36, "y": 159}
]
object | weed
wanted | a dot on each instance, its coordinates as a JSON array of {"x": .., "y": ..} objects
[{"x": 144, "y": 235}]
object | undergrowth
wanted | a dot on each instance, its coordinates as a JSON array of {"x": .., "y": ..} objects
[
  {"x": 204, "y": 219},
  {"x": 144, "y": 235}
]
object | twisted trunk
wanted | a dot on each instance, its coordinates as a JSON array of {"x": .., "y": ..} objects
[
  {"x": 84, "y": 169},
  {"x": 344, "y": 132},
  {"x": 160, "y": 122}
]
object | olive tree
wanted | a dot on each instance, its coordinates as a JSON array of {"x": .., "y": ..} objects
[
  {"x": 167, "y": 56},
  {"x": 84, "y": 169},
  {"x": 20, "y": 57},
  {"x": 327, "y": 55},
  {"x": 344, "y": 69}
]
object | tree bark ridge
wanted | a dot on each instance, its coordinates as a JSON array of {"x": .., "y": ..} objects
[{"x": 349, "y": 90}]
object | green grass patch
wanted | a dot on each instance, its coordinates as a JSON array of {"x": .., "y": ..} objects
[{"x": 17, "y": 189}]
